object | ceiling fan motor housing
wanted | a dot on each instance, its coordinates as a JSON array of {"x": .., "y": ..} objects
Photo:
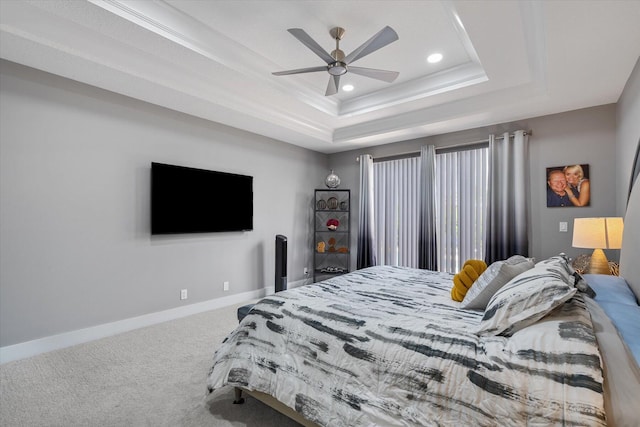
[{"x": 338, "y": 54}]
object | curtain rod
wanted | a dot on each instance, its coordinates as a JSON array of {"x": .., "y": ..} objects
[{"x": 446, "y": 147}]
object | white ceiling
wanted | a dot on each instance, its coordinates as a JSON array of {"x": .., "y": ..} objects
[{"x": 503, "y": 60}]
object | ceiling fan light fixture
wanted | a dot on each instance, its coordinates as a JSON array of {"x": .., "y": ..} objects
[{"x": 337, "y": 68}]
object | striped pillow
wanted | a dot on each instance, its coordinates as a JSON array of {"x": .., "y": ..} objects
[
  {"x": 496, "y": 276},
  {"x": 528, "y": 297}
]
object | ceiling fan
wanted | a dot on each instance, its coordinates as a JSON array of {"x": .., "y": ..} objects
[{"x": 338, "y": 64}]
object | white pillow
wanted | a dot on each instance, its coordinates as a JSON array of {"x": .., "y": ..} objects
[
  {"x": 528, "y": 297},
  {"x": 493, "y": 278}
]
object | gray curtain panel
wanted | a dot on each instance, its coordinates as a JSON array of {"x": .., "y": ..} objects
[
  {"x": 508, "y": 197},
  {"x": 427, "y": 244},
  {"x": 366, "y": 256}
]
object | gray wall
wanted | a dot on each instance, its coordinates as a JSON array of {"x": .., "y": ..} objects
[
  {"x": 576, "y": 137},
  {"x": 74, "y": 210},
  {"x": 582, "y": 136}
]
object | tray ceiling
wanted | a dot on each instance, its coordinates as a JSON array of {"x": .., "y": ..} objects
[{"x": 503, "y": 61}]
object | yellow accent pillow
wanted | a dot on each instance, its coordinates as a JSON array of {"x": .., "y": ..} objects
[{"x": 471, "y": 270}]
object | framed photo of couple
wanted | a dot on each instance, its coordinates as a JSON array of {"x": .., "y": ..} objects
[{"x": 568, "y": 186}]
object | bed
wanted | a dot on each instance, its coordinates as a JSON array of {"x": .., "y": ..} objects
[{"x": 387, "y": 346}]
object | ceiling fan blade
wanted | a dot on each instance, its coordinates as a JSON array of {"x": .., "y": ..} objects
[
  {"x": 381, "y": 39},
  {"x": 306, "y": 40},
  {"x": 332, "y": 87},
  {"x": 301, "y": 70},
  {"x": 384, "y": 75}
]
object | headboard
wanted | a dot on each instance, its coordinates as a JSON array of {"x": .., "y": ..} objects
[{"x": 630, "y": 253}]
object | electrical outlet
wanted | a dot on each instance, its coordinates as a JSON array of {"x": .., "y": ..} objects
[
  {"x": 183, "y": 294},
  {"x": 563, "y": 227},
  {"x": 225, "y": 286}
]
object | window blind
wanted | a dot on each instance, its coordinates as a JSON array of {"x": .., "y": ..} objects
[
  {"x": 461, "y": 203},
  {"x": 396, "y": 190}
]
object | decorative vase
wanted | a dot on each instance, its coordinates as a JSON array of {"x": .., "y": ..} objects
[
  {"x": 332, "y": 180},
  {"x": 333, "y": 224}
]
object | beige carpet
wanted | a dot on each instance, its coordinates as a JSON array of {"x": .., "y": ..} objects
[{"x": 154, "y": 376}]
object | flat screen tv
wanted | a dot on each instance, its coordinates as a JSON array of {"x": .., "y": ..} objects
[{"x": 188, "y": 200}]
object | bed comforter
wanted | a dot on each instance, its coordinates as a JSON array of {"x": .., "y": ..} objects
[{"x": 386, "y": 346}]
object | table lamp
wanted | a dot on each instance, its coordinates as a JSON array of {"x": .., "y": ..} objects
[{"x": 598, "y": 234}]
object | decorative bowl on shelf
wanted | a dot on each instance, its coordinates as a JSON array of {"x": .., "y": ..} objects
[
  {"x": 333, "y": 270},
  {"x": 332, "y": 203},
  {"x": 333, "y": 224}
]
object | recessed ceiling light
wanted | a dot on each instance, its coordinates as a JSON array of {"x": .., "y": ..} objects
[
  {"x": 347, "y": 88},
  {"x": 434, "y": 57}
]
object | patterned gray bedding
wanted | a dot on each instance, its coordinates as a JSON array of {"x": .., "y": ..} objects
[{"x": 387, "y": 346}]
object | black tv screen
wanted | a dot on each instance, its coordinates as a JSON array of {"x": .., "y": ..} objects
[{"x": 188, "y": 200}]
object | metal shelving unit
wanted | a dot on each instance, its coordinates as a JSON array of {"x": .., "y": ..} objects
[{"x": 332, "y": 233}]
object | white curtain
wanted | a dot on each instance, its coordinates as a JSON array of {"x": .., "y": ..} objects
[
  {"x": 461, "y": 195},
  {"x": 366, "y": 256},
  {"x": 508, "y": 197},
  {"x": 397, "y": 201}
]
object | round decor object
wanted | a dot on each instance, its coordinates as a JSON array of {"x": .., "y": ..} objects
[
  {"x": 321, "y": 204},
  {"x": 333, "y": 224},
  {"x": 332, "y": 180},
  {"x": 332, "y": 203}
]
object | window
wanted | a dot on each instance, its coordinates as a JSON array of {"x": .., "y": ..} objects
[
  {"x": 461, "y": 202},
  {"x": 396, "y": 187}
]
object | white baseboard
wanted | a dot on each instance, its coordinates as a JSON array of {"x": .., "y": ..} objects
[
  {"x": 55, "y": 342},
  {"x": 291, "y": 285}
]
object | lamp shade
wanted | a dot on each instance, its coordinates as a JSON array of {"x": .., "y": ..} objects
[{"x": 597, "y": 233}]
